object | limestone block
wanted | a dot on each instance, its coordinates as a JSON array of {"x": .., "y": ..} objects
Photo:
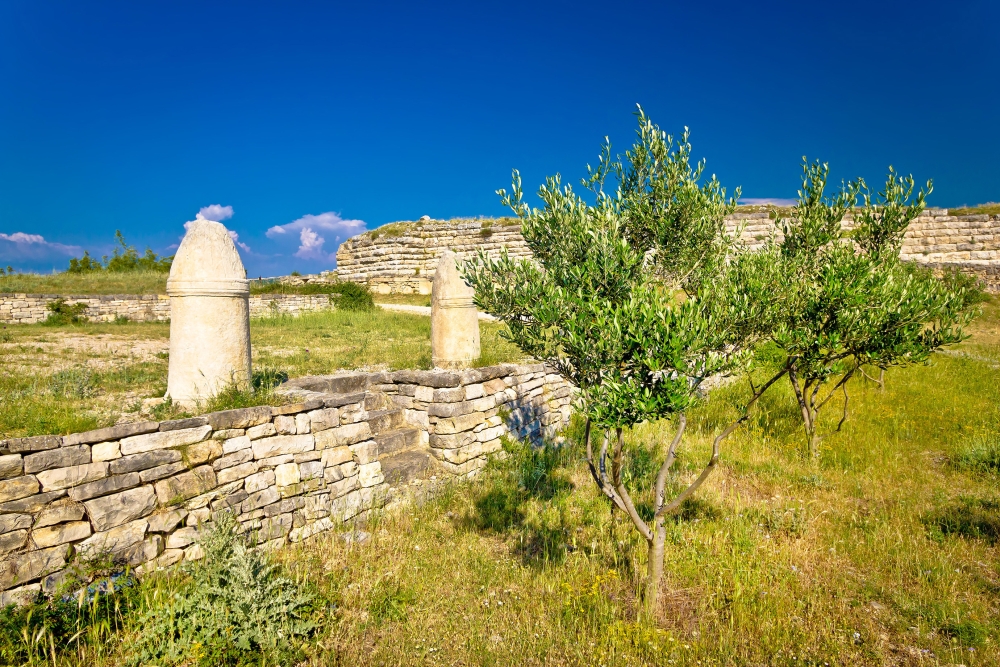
[
  {"x": 164, "y": 522},
  {"x": 228, "y": 433},
  {"x": 186, "y": 485},
  {"x": 18, "y": 487},
  {"x": 63, "y": 457},
  {"x": 425, "y": 394},
  {"x": 261, "y": 499},
  {"x": 13, "y": 541},
  {"x": 37, "y": 443},
  {"x": 31, "y": 504},
  {"x": 12, "y": 522},
  {"x": 105, "y": 486},
  {"x": 274, "y": 461},
  {"x": 459, "y": 424},
  {"x": 236, "y": 458},
  {"x": 236, "y": 444},
  {"x": 163, "y": 440},
  {"x": 345, "y": 486},
  {"x": 320, "y": 420},
  {"x": 287, "y": 474},
  {"x": 261, "y": 431},
  {"x": 283, "y": 444},
  {"x": 343, "y": 435},
  {"x": 31, "y": 565},
  {"x": 449, "y": 395},
  {"x": 302, "y": 423},
  {"x": 370, "y": 474},
  {"x": 105, "y": 451},
  {"x": 259, "y": 481},
  {"x": 454, "y": 320},
  {"x": 473, "y": 391},
  {"x": 144, "y": 461},
  {"x": 11, "y": 465},
  {"x": 202, "y": 452},
  {"x": 209, "y": 315},
  {"x": 116, "y": 540},
  {"x": 285, "y": 425},
  {"x": 60, "y": 534},
  {"x": 183, "y": 537},
  {"x": 239, "y": 418},
  {"x": 365, "y": 452},
  {"x": 337, "y": 455},
  {"x": 110, "y": 511},
  {"x": 311, "y": 470},
  {"x": 159, "y": 472}
]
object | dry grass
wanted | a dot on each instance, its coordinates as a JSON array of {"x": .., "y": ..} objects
[
  {"x": 989, "y": 208},
  {"x": 82, "y": 284}
]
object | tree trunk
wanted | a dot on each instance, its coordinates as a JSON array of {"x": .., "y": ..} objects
[{"x": 654, "y": 570}]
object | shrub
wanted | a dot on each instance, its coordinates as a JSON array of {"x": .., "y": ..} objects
[
  {"x": 352, "y": 296},
  {"x": 233, "y": 607},
  {"x": 61, "y": 313},
  {"x": 124, "y": 259}
]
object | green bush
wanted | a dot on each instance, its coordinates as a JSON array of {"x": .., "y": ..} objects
[
  {"x": 234, "y": 607},
  {"x": 352, "y": 296},
  {"x": 124, "y": 259},
  {"x": 61, "y": 313}
]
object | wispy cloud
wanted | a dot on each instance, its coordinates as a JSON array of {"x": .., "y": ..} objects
[
  {"x": 21, "y": 247},
  {"x": 216, "y": 213},
  {"x": 309, "y": 229},
  {"x": 761, "y": 201}
]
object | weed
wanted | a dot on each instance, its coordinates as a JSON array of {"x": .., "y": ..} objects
[
  {"x": 982, "y": 454},
  {"x": 61, "y": 313},
  {"x": 75, "y": 382},
  {"x": 973, "y": 518},
  {"x": 389, "y": 600}
]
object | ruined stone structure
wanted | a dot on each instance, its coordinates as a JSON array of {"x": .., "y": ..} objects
[
  {"x": 403, "y": 258},
  {"x": 209, "y": 315},
  {"x": 144, "y": 492},
  {"x": 454, "y": 319},
  {"x": 32, "y": 308}
]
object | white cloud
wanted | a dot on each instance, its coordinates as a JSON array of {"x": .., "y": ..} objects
[
  {"x": 760, "y": 201},
  {"x": 216, "y": 212},
  {"x": 236, "y": 239},
  {"x": 32, "y": 247},
  {"x": 309, "y": 228}
]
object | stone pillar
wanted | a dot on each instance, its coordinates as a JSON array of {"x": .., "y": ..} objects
[
  {"x": 209, "y": 315},
  {"x": 454, "y": 318}
]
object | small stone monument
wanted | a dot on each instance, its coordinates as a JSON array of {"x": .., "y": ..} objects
[
  {"x": 209, "y": 315},
  {"x": 454, "y": 318}
]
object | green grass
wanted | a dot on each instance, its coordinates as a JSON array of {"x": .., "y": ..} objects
[
  {"x": 74, "y": 377},
  {"x": 408, "y": 299},
  {"x": 135, "y": 282},
  {"x": 990, "y": 208}
]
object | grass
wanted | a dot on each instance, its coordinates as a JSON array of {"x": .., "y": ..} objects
[
  {"x": 990, "y": 208},
  {"x": 74, "y": 377},
  {"x": 408, "y": 299},
  {"x": 135, "y": 282}
]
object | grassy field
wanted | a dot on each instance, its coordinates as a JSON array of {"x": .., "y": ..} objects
[
  {"x": 882, "y": 553},
  {"x": 76, "y": 377},
  {"x": 134, "y": 282}
]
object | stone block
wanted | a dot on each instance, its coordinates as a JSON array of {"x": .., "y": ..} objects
[
  {"x": 237, "y": 457},
  {"x": 60, "y": 534},
  {"x": 448, "y": 395},
  {"x": 343, "y": 435},
  {"x": 459, "y": 424},
  {"x": 451, "y": 440},
  {"x": 105, "y": 451},
  {"x": 179, "y": 424},
  {"x": 234, "y": 501},
  {"x": 365, "y": 452},
  {"x": 186, "y": 485},
  {"x": 491, "y": 433},
  {"x": 228, "y": 433},
  {"x": 20, "y": 596},
  {"x": 103, "y": 487},
  {"x": 137, "y": 444},
  {"x": 114, "y": 510},
  {"x": 308, "y": 530},
  {"x": 144, "y": 461},
  {"x": 283, "y": 444},
  {"x": 450, "y": 409},
  {"x": 31, "y": 565},
  {"x": 370, "y": 474},
  {"x": 38, "y": 443},
  {"x": 261, "y": 499},
  {"x": 110, "y": 433},
  {"x": 320, "y": 420},
  {"x": 236, "y": 444},
  {"x": 261, "y": 431},
  {"x": 237, "y": 472},
  {"x": 473, "y": 391},
  {"x": 259, "y": 481},
  {"x": 164, "y": 522},
  {"x": 17, "y": 488},
  {"x": 201, "y": 452},
  {"x": 311, "y": 470},
  {"x": 307, "y": 456},
  {"x": 13, "y": 541},
  {"x": 344, "y": 486},
  {"x": 286, "y": 474},
  {"x": 31, "y": 504},
  {"x": 11, "y": 465},
  {"x": 285, "y": 425},
  {"x": 333, "y": 474},
  {"x": 275, "y": 461},
  {"x": 114, "y": 541},
  {"x": 12, "y": 522},
  {"x": 302, "y": 424},
  {"x": 144, "y": 551},
  {"x": 494, "y": 386},
  {"x": 159, "y": 472},
  {"x": 240, "y": 418},
  {"x": 424, "y": 394},
  {"x": 275, "y": 527},
  {"x": 183, "y": 537}
]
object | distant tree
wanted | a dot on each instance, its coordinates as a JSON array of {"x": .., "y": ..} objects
[
  {"x": 124, "y": 258},
  {"x": 637, "y": 299},
  {"x": 850, "y": 301}
]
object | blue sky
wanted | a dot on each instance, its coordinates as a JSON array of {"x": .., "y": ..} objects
[{"x": 323, "y": 119}]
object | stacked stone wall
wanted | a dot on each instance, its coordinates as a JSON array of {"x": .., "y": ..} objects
[
  {"x": 143, "y": 493},
  {"x": 32, "y": 308},
  {"x": 405, "y": 262}
]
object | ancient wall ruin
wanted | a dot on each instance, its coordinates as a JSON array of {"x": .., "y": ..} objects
[
  {"x": 33, "y": 308},
  {"x": 144, "y": 492},
  {"x": 402, "y": 258}
]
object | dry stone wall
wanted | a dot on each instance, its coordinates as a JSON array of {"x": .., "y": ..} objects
[
  {"x": 403, "y": 260},
  {"x": 31, "y": 308},
  {"x": 143, "y": 493}
]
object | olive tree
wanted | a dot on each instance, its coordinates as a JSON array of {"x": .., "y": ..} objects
[
  {"x": 637, "y": 298},
  {"x": 850, "y": 300}
]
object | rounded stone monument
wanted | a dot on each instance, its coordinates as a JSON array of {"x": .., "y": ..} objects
[
  {"x": 209, "y": 315},
  {"x": 454, "y": 318}
]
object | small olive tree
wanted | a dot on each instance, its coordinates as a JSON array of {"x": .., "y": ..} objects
[
  {"x": 636, "y": 299},
  {"x": 850, "y": 301}
]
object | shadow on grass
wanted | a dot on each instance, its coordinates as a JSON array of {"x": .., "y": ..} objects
[{"x": 972, "y": 518}]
